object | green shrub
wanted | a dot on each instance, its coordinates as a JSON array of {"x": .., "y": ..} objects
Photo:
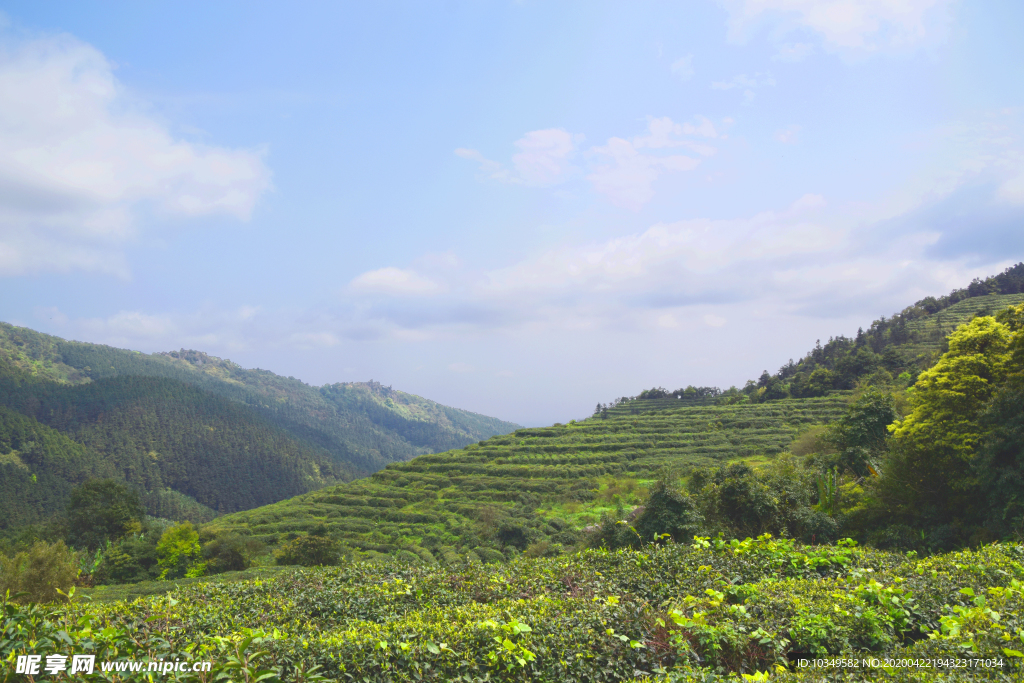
[
  {"x": 230, "y": 552},
  {"x": 671, "y": 511},
  {"x": 407, "y": 557},
  {"x": 489, "y": 555},
  {"x": 131, "y": 559},
  {"x": 310, "y": 550},
  {"x": 713, "y": 609}
]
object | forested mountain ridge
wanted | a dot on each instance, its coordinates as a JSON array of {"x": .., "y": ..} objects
[
  {"x": 908, "y": 341},
  {"x": 894, "y": 348},
  {"x": 194, "y": 434},
  {"x": 363, "y": 425}
]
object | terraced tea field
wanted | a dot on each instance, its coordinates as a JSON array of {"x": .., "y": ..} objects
[
  {"x": 928, "y": 334},
  {"x": 433, "y": 504}
]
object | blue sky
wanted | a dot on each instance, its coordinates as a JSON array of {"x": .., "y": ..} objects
[{"x": 517, "y": 208}]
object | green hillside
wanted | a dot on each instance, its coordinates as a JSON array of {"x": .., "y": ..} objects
[
  {"x": 711, "y": 535},
  {"x": 363, "y": 426},
  {"x": 38, "y": 468},
  {"x": 162, "y": 434},
  {"x": 909, "y": 341},
  {"x": 453, "y": 502}
]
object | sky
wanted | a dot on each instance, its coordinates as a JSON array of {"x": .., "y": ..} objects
[{"x": 516, "y": 208}]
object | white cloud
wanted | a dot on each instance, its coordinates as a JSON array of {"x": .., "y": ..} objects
[
  {"x": 668, "y": 321},
  {"x": 666, "y": 251},
  {"x": 712, "y": 320},
  {"x": 1012, "y": 190},
  {"x": 132, "y": 327},
  {"x": 313, "y": 340},
  {"x": 793, "y": 52},
  {"x": 394, "y": 281},
  {"x": 862, "y": 25},
  {"x": 491, "y": 168},
  {"x": 743, "y": 81},
  {"x": 669, "y": 276},
  {"x": 682, "y": 68},
  {"x": 543, "y": 159},
  {"x": 78, "y": 158},
  {"x": 787, "y": 135},
  {"x": 617, "y": 169},
  {"x": 747, "y": 83},
  {"x": 628, "y": 179},
  {"x": 626, "y": 176},
  {"x": 758, "y": 80},
  {"x": 664, "y": 133}
]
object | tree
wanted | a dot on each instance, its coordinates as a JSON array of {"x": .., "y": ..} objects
[
  {"x": 39, "y": 572},
  {"x": 860, "y": 436},
  {"x": 854, "y": 365},
  {"x": 1000, "y": 462},
  {"x": 669, "y": 510},
  {"x": 102, "y": 510},
  {"x": 930, "y": 476},
  {"x": 229, "y": 552},
  {"x": 178, "y": 552}
]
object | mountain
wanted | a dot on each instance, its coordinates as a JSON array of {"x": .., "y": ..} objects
[
  {"x": 198, "y": 435},
  {"x": 535, "y": 489}
]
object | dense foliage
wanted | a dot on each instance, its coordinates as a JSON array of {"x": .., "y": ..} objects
[{"x": 157, "y": 434}]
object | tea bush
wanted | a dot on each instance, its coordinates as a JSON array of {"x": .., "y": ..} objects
[{"x": 712, "y": 609}]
